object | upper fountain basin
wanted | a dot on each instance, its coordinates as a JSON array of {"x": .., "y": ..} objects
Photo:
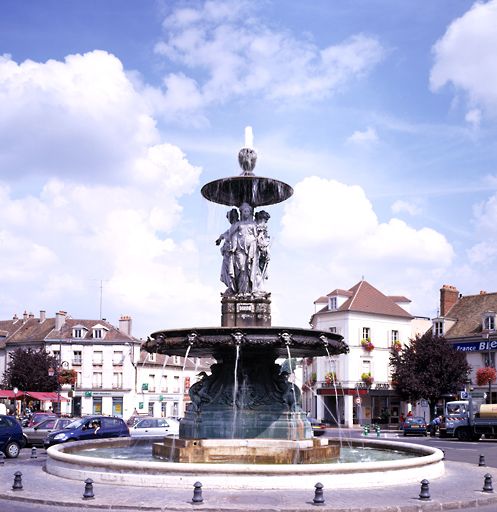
[
  {"x": 206, "y": 341},
  {"x": 254, "y": 190}
]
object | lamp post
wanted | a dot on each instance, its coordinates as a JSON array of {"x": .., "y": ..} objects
[
  {"x": 15, "y": 390},
  {"x": 490, "y": 365},
  {"x": 56, "y": 372}
]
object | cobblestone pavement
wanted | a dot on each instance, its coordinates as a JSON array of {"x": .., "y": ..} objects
[{"x": 460, "y": 488}]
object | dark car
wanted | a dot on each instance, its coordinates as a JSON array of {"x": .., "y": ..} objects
[
  {"x": 318, "y": 428},
  {"x": 89, "y": 427},
  {"x": 35, "y": 436},
  {"x": 415, "y": 425},
  {"x": 11, "y": 439},
  {"x": 36, "y": 417}
]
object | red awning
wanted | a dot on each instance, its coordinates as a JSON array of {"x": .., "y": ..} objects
[
  {"x": 8, "y": 393},
  {"x": 46, "y": 396}
]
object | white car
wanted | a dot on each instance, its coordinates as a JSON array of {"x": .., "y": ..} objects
[{"x": 155, "y": 427}]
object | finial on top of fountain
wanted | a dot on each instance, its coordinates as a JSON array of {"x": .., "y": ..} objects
[{"x": 247, "y": 157}]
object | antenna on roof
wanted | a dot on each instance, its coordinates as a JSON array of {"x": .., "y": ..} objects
[{"x": 102, "y": 281}]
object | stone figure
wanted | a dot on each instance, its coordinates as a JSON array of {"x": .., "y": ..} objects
[{"x": 245, "y": 251}]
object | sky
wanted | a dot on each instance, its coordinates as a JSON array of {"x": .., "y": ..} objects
[{"x": 382, "y": 115}]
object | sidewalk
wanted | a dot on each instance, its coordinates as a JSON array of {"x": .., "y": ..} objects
[{"x": 460, "y": 488}]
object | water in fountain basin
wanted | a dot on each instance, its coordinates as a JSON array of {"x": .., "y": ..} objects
[{"x": 235, "y": 392}]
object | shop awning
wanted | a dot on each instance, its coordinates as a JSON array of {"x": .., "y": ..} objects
[
  {"x": 8, "y": 393},
  {"x": 46, "y": 396}
]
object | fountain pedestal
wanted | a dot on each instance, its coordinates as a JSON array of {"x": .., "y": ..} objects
[{"x": 244, "y": 311}]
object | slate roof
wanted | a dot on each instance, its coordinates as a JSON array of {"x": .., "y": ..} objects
[
  {"x": 365, "y": 298},
  {"x": 467, "y": 312}
]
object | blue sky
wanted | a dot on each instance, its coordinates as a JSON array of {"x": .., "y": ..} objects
[{"x": 381, "y": 115}]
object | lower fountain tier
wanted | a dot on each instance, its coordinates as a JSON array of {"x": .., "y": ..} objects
[
  {"x": 247, "y": 451},
  {"x": 207, "y": 341}
]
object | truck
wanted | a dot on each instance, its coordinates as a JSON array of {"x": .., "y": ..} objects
[{"x": 469, "y": 420}]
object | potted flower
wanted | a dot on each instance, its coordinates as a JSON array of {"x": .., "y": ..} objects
[
  {"x": 367, "y": 344},
  {"x": 330, "y": 378},
  {"x": 485, "y": 375},
  {"x": 367, "y": 379},
  {"x": 67, "y": 376},
  {"x": 396, "y": 346}
]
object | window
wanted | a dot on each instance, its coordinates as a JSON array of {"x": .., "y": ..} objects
[
  {"x": 366, "y": 333},
  {"x": 366, "y": 366},
  {"x": 164, "y": 384},
  {"x": 118, "y": 357},
  {"x": 151, "y": 406},
  {"x": 176, "y": 360},
  {"x": 176, "y": 386},
  {"x": 97, "y": 379},
  {"x": 98, "y": 357},
  {"x": 77, "y": 357},
  {"x": 394, "y": 336},
  {"x": 117, "y": 380},
  {"x": 333, "y": 330},
  {"x": 151, "y": 382},
  {"x": 489, "y": 322},
  {"x": 488, "y": 358},
  {"x": 97, "y": 333},
  {"x": 77, "y": 333},
  {"x": 152, "y": 357},
  {"x": 97, "y": 406},
  {"x": 438, "y": 328},
  {"x": 79, "y": 381},
  {"x": 332, "y": 303}
]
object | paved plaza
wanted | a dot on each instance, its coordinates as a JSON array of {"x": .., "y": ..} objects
[{"x": 460, "y": 488}]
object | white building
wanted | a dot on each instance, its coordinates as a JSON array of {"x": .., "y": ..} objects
[{"x": 372, "y": 325}]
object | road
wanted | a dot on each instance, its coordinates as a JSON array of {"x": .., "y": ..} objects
[{"x": 454, "y": 450}]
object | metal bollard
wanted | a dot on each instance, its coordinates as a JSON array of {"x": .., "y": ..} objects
[
  {"x": 318, "y": 494},
  {"x": 197, "y": 493},
  {"x": 425, "y": 490},
  {"x": 378, "y": 431},
  {"x": 33, "y": 453},
  {"x": 481, "y": 461},
  {"x": 487, "y": 484},
  {"x": 2, "y": 458},
  {"x": 88, "y": 494},
  {"x": 17, "y": 481}
]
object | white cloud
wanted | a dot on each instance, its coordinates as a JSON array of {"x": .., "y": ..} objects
[
  {"x": 339, "y": 220},
  {"x": 473, "y": 117},
  {"x": 400, "y": 206},
  {"x": 231, "y": 53},
  {"x": 465, "y": 56},
  {"x": 367, "y": 136}
]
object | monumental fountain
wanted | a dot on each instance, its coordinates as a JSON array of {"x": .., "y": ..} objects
[{"x": 245, "y": 417}]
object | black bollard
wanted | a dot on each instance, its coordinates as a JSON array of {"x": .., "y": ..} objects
[
  {"x": 487, "y": 484},
  {"x": 88, "y": 494},
  {"x": 197, "y": 493},
  {"x": 481, "y": 461},
  {"x": 318, "y": 494},
  {"x": 17, "y": 481},
  {"x": 33, "y": 453},
  {"x": 2, "y": 458},
  {"x": 425, "y": 490}
]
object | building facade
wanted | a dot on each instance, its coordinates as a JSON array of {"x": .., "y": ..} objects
[
  {"x": 469, "y": 323},
  {"x": 356, "y": 388},
  {"x": 113, "y": 375}
]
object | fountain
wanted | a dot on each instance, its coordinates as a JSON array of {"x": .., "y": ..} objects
[{"x": 245, "y": 417}]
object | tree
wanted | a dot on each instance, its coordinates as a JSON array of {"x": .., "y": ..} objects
[
  {"x": 27, "y": 370},
  {"x": 428, "y": 368}
]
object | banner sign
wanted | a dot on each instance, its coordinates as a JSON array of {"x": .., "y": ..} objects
[{"x": 476, "y": 346}]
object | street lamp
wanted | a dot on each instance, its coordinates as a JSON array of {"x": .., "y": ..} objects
[{"x": 15, "y": 390}]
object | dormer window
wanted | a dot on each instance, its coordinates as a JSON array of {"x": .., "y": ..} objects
[
  {"x": 438, "y": 328},
  {"x": 99, "y": 331},
  {"x": 79, "y": 331},
  {"x": 489, "y": 321},
  {"x": 332, "y": 303}
]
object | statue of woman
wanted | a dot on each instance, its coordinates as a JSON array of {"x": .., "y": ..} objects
[{"x": 242, "y": 236}]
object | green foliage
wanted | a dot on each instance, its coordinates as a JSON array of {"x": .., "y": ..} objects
[
  {"x": 428, "y": 368},
  {"x": 27, "y": 370}
]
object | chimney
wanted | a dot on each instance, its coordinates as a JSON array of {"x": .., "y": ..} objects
[
  {"x": 60, "y": 319},
  {"x": 43, "y": 316},
  {"x": 125, "y": 324},
  {"x": 25, "y": 316},
  {"x": 31, "y": 315},
  {"x": 449, "y": 295}
]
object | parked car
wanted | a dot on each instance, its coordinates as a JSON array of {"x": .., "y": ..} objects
[
  {"x": 36, "y": 417},
  {"x": 318, "y": 428},
  {"x": 35, "y": 436},
  {"x": 89, "y": 427},
  {"x": 11, "y": 439},
  {"x": 155, "y": 427},
  {"x": 415, "y": 425},
  {"x": 135, "y": 418}
]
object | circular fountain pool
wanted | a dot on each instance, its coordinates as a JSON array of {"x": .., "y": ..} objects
[{"x": 102, "y": 461}]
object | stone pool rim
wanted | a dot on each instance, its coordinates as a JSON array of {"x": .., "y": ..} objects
[{"x": 426, "y": 463}]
